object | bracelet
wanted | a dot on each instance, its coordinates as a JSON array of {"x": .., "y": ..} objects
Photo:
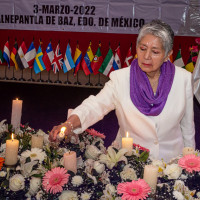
[{"x": 71, "y": 125}]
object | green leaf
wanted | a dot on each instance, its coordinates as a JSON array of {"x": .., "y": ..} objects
[{"x": 144, "y": 156}]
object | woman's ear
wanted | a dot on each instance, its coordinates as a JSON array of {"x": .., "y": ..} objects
[{"x": 168, "y": 55}]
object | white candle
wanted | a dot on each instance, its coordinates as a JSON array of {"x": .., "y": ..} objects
[
  {"x": 61, "y": 134},
  {"x": 16, "y": 113},
  {"x": 12, "y": 146},
  {"x": 188, "y": 151},
  {"x": 127, "y": 142},
  {"x": 151, "y": 176},
  {"x": 70, "y": 162},
  {"x": 37, "y": 141}
]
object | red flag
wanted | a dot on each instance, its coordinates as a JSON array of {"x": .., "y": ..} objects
[
  {"x": 77, "y": 59},
  {"x": 48, "y": 57},
  {"x": 57, "y": 60},
  {"x": 97, "y": 61},
  {"x": 128, "y": 59}
]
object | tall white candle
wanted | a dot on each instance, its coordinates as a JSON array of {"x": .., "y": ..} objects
[
  {"x": 70, "y": 161},
  {"x": 151, "y": 175},
  {"x": 12, "y": 146},
  {"x": 37, "y": 141},
  {"x": 127, "y": 142},
  {"x": 16, "y": 113}
]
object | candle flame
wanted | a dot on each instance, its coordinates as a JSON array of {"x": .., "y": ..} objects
[
  {"x": 12, "y": 136},
  {"x": 17, "y": 99},
  {"x": 63, "y": 129},
  {"x": 127, "y": 134}
]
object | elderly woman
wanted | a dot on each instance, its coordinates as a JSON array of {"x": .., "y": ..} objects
[{"x": 153, "y": 99}]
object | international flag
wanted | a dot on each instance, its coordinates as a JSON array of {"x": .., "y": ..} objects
[
  {"x": 13, "y": 54},
  {"x": 97, "y": 61},
  {"x": 57, "y": 60},
  {"x": 86, "y": 62},
  {"x": 48, "y": 57},
  {"x": 21, "y": 61},
  {"x": 68, "y": 60},
  {"x": 1, "y": 57},
  {"x": 179, "y": 60},
  {"x": 6, "y": 53},
  {"x": 107, "y": 64},
  {"x": 196, "y": 78},
  {"x": 117, "y": 59},
  {"x": 129, "y": 58},
  {"x": 77, "y": 59},
  {"x": 38, "y": 62},
  {"x": 189, "y": 66},
  {"x": 30, "y": 55}
]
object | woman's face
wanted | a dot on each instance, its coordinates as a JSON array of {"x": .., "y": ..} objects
[{"x": 150, "y": 53}]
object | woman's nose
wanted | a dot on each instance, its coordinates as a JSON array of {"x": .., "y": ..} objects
[{"x": 147, "y": 54}]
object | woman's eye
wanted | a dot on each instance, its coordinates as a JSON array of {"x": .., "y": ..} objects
[
  {"x": 155, "y": 52},
  {"x": 142, "y": 48}
]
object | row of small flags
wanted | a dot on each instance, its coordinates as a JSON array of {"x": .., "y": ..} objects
[{"x": 90, "y": 63}]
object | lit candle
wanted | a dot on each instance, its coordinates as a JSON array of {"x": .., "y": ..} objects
[
  {"x": 70, "y": 162},
  {"x": 16, "y": 113},
  {"x": 127, "y": 142},
  {"x": 188, "y": 151},
  {"x": 37, "y": 141},
  {"x": 151, "y": 176},
  {"x": 12, "y": 146},
  {"x": 61, "y": 134}
]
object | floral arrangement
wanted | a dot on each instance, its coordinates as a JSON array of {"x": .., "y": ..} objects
[{"x": 102, "y": 173}]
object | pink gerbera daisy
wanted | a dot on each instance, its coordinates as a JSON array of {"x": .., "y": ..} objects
[
  {"x": 190, "y": 163},
  {"x": 135, "y": 190},
  {"x": 95, "y": 133},
  {"x": 55, "y": 179}
]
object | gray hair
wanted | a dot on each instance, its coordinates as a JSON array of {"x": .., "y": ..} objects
[{"x": 159, "y": 29}]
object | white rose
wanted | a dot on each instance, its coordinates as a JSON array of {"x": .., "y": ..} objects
[
  {"x": 173, "y": 171},
  {"x": 99, "y": 167},
  {"x": 16, "y": 182},
  {"x": 128, "y": 173},
  {"x": 2, "y": 174},
  {"x": 68, "y": 195},
  {"x": 34, "y": 185},
  {"x": 77, "y": 180},
  {"x": 92, "y": 152}
]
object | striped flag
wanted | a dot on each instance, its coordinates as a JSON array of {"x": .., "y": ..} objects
[
  {"x": 68, "y": 60},
  {"x": 97, "y": 61},
  {"x": 38, "y": 62},
  {"x": 1, "y": 57},
  {"x": 77, "y": 60},
  {"x": 129, "y": 58},
  {"x": 179, "y": 60},
  {"x": 86, "y": 62},
  {"x": 57, "y": 60},
  {"x": 30, "y": 55},
  {"x": 107, "y": 64},
  {"x": 22, "y": 63},
  {"x": 13, "y": 54},
  {"x": 117, "y": 59},
  {"x": 6, "y": 53},
  {"x": 48, "y": 57}
]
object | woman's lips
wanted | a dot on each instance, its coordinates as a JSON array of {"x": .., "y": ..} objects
[{"x": 145, "y": 64}]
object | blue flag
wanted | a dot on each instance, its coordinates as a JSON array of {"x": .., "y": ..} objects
[
  {"x": 38, "y": 63},
  {"x": 68, "y": 61}
]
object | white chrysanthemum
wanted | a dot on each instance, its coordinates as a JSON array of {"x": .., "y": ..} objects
[
  {"x": 34, "y": 154},
  {"x": 68, "y": 195},
  {"x": 173, "y": 171},
  {"x": 77, "y": 180},
  {"x": 2, "y": 174},
  {"x": 128, "y": 173},
  {"x": 85, "y": 196},
  {"x": 178, "y": 195},
  {"x": 16, "y": 182}
]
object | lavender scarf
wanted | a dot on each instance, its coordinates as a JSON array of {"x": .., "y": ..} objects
[{"x": 141, "y": 92}]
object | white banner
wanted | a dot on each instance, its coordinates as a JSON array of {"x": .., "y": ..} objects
[{"x": 106, "y": 16}]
